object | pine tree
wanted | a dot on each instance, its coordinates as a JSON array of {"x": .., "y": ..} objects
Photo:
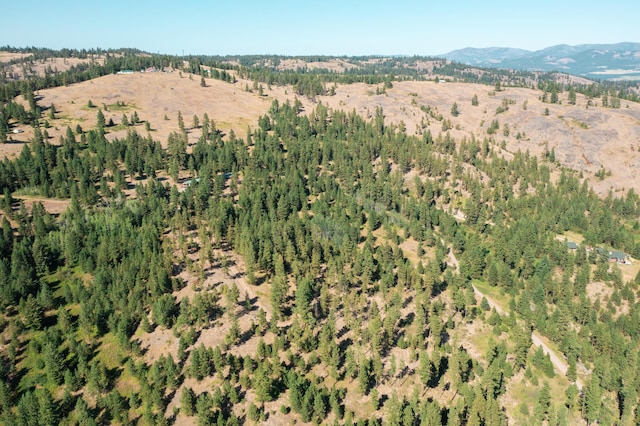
[
  {"x": 100, "y": 120},
  {"x": 364, "y": 376},
  {"x": 592, "y": 400},
  {"x": 393, "y": 410},
  {"x": 425, "y": 368},
  {"x": 187, "y": 401},
  {"x": 263, "y": 384},
  {"x": 33, "y": 313},
  {"x": 48, "y": 415},
  {"x": 572, "y": 95}
]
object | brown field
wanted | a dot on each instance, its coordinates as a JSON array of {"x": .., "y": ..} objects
[
  {"x": 51, "y": 205},
  {"x": 584, "y": 138},
  {"x": 10, "y": 56},
  {"x": 335, "y": 65},
  {"x": 153, "y": 96},
  {"x": 40, "y": 66}
]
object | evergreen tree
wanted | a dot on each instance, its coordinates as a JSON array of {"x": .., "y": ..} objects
[
  {"x": 454, "y": 110},
  {"x": 188, "y": 401},
  {"x": 592, "y": 400},
  {"x": 100, "y": 120}
]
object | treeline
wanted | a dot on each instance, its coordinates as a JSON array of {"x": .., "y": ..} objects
[{"x": 111, "y": 62}]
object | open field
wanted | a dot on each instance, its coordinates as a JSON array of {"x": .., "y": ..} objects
[
  {"x": 156, "y": 98},
  {"x": 10, "y": 56}
]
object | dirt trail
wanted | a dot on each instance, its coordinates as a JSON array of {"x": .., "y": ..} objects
[{"x": 558, "y": 363}]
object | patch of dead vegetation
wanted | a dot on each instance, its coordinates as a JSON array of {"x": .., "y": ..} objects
[
  {"x": 600, "y": 292},
  {"x": 157, "y": 343},
  {"x": 51, "y": 205}
]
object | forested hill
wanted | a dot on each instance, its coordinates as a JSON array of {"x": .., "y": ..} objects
[
  {"x": 319, "y": 270},
  {"x": 600, "y": 61}
]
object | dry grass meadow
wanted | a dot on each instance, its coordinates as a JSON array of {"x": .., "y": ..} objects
[{"x": 585, "y": 138}]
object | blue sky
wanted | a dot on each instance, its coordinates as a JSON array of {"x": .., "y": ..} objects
[{"x": 329, "y": 27}]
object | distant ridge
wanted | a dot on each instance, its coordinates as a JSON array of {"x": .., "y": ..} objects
[
  {"x": 484, "y": 56},
  {"x": 601, "y": 61}
]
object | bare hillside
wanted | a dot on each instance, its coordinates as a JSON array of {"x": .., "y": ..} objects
[
  {"x": 585, "y": 138},
  {"x": 588, "y": 138},
  {"x": 39, "y": 67},
  {"x": 156, "y": 98}
]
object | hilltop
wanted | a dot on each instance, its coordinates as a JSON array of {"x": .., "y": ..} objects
[{"x": 584, "y": 136}]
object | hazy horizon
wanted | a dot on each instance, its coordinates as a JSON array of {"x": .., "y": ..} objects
[{"x": 358, "y": 28}]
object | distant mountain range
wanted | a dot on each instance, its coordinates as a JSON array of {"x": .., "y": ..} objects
[{"x": 599, "y": 61}]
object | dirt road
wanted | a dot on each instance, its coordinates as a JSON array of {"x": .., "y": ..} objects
[{"x": 558, "y": 362}]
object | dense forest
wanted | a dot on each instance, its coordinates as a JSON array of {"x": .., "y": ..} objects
[{"x": 378, "y": 277}]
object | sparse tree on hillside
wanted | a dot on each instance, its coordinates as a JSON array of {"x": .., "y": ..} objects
[
  {"x": 100, "y": 119},
  {"x": 181, "y": 122},
  {"x": 454, "y": 110},
  {"x": 572, "y": 96}
]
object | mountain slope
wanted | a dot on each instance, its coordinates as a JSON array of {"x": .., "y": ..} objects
[
  {"x": 586, "y": 136},
  {"x": 602, "y": 61}
]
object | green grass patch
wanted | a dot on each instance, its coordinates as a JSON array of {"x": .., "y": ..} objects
[
  {"x": 65, "y": 118},
  {"x": 74, "y": 309},
  {"x": 31, "y": 191},
  {"x": 573, "y": 236},
  {"x": 526, "y": 390},
  {"x": 578, "y": 123},
  {"x": 117, "y": 127},
  {"x": 110, "y": 352},
  {"x": 482, "y": 337},
  {"x": 121, "y": 106},
  {"x": 127, "y": 384},
  {"x": 32, "y": 364},
  {"x": 64, "y": 281},
  {"x": 496, "y": 294}
]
